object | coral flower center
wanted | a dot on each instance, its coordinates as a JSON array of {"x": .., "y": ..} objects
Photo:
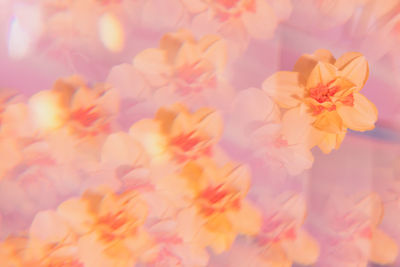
[
  {"x": 194, "y": 77},
  {"x": 85, "y": 116},
  {"x": 323, "y": 93},
  {"x": 185, "y": 142},
  {"x": 217, "y": 200}
]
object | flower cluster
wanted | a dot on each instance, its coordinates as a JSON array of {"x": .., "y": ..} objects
[{"x": 162, "y": 163}]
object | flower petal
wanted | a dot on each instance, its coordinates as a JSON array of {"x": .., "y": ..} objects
[
  {"x": 361, "y": 116},
  {"x": 306, "y": 63},
  {"x": 354, "y": 67},
  {"x": 329, "y": 122},
  {"x": 153, "y": 63},
  {"x": 49, "y": 227},
  {"x": 261, "y": 23},
  {"x": 195, "y": 6},
  {"x": 121, "y": 149},
  {"x": 217, "y": 54},
  {"x": 247, "y": 220},
  {"x": 303, "y": 250},
  {"x": 322, "y": 73},
  {"x": 384, "y": 249},
  {"x": 330, "y": 141},
  {"x": 284, "y": 88},
  {"x": 296, "y": 125}
]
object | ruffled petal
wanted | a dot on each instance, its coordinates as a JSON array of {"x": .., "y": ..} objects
[
  {"x": 329, "y": 122},
  {"x": 306, "y": 63},
  {"x": 361, "y": 116},
  {"x": 323, "y": 73},
  {"x": 354, "y": 67},
  {"x": 283, "y": 87}
]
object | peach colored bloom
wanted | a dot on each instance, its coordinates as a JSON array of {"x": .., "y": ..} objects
[
  {"x": 178, "y": 134},
  {"x": 257, "y": 18},
  {"x": 83, "y": 111},
  {"x": 323, "y": 100},
  {"x": 217, "y": 210},
  {"x": 184, "y": 68},
  {"x": 110, "y": 227}
]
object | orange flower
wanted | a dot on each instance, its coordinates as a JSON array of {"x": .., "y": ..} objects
[
  {"x": 110, "y": 227},
  {"x": 176, "y": 133},
  {"x": 217, "y": 210},
  {"x": 85, "y": 112},
  {"x": 323, "y": 99}
]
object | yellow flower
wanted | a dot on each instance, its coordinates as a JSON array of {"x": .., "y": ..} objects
[{"x": 323, "y": 98}]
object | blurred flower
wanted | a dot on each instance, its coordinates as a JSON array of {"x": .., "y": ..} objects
[
  {"x": 83, "y": 111},
  {"x": 185, "y": 68},
  {"x": 217, "y": 210},
  {"x": 110, "y": 227},
  {"x": 51, "y": 242},
  {"x": 257, "y": 18},
  {"x": 255, "y": 125},
  {"x": 178, "y": 134},
  {"x": 354, "y": 233},
  {"x": 281, "y": 236},
  {"x": 171, "y": 250},
  {"x": 11, "y": 251},
  {"x": 323, "y": 100}
]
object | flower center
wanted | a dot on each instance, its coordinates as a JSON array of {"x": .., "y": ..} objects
[
  {"x": 87, "y": 121},
  {"x": 217, "y": 200},
  {"x": 226, "y": 9},
  {"x": 85, "y": 116},
  {"x": 185, "y": 142},
  {"x": 187, "y": 146},
  {"x": 192, "y": 78},
  {"x": 116, "y": 225},
  {"x": 323, "y": 93}
]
